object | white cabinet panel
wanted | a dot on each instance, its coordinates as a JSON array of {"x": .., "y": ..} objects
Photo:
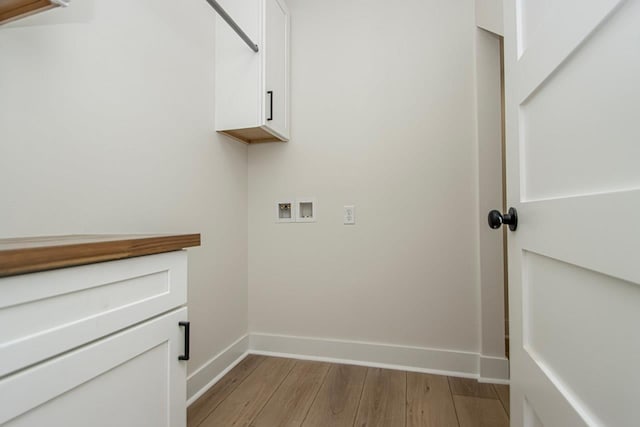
[
  {"x": 54, "y": 311},
  {"x": 239, "y": 85},
  {"x": 132, "y": 378}
]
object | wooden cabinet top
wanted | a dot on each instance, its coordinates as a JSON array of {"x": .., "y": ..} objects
[
  {"x": 15, "y": 9},
  {"x": 31, "y": 254}
]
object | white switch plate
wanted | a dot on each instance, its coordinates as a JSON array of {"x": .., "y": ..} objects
[{"x": 349, "y": 215}]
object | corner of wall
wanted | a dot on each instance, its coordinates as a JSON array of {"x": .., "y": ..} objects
[{"x": 493, "y": 370}]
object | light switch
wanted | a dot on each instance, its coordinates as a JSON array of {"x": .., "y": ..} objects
[{"x": 349, "y": 215}]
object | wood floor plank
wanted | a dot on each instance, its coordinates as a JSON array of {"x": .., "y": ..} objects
[
  {"x": 503, "y": 394},
  {"x": 429, "y": 401},
  {"x": 246, "y": 401},
  {"x": 337, "y": 401},
  {"x": 289, "y": 404},
  {"x": 383, "y": 399},
  {"x": 201, "y": 408},
  {"x": 471, "y": 387},
  {"x": 480, "y": 412}
]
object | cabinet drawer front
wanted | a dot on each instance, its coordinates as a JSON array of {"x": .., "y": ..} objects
[
  {"x": 51, "y": 312},
  {"x": 129, "y": 379}
]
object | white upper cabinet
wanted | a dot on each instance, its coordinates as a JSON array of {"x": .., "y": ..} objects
[{"x": 252, "y": 89}]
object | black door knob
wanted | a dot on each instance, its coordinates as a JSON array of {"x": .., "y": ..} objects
[{"x": 496, "y": 219}]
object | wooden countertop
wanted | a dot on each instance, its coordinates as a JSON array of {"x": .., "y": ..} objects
[{"x": 31, "y": 254}]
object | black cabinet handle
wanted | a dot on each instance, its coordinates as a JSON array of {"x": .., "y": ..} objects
[
  {"x": 187, "y": 331},
  {"x": 270, "y": 93}
]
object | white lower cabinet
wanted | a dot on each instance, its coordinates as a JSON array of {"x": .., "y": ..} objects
[{"x": 130, "y": 377}]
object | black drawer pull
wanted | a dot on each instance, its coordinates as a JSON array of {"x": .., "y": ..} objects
[
  {"x": 187, "y": 331},
  {"x": 270, "y": 93}
]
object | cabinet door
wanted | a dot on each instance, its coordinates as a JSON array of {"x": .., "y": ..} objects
[
  {"x": 132, "y": 378},
  {"x": 277, "y": 67}
]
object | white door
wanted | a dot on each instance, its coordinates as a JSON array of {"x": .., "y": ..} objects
[
  {"x": 277, "y": 67},
  {"x": 573, "y": 156},
  {"x": 130, "y": 379}
]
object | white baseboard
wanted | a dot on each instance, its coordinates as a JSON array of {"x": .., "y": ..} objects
[
  {"x": 407, "y": 358},
  {"x": 203, "y": 378},
  {"x": 494, "y": 370}
]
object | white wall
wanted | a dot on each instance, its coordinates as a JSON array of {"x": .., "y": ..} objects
[
  {"x": 106, "y": 126},
  {"x": 383, "y": 117}
]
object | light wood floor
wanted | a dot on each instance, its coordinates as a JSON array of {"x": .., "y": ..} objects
[{"x": 277, "y": 392}]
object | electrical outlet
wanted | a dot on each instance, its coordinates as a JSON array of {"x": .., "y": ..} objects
[{"x": 349, "y": 215}]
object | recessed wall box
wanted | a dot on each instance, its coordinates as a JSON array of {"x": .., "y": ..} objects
[
  {"x": 306, "y": 210},
  {"x": 285, "y": 212}
]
